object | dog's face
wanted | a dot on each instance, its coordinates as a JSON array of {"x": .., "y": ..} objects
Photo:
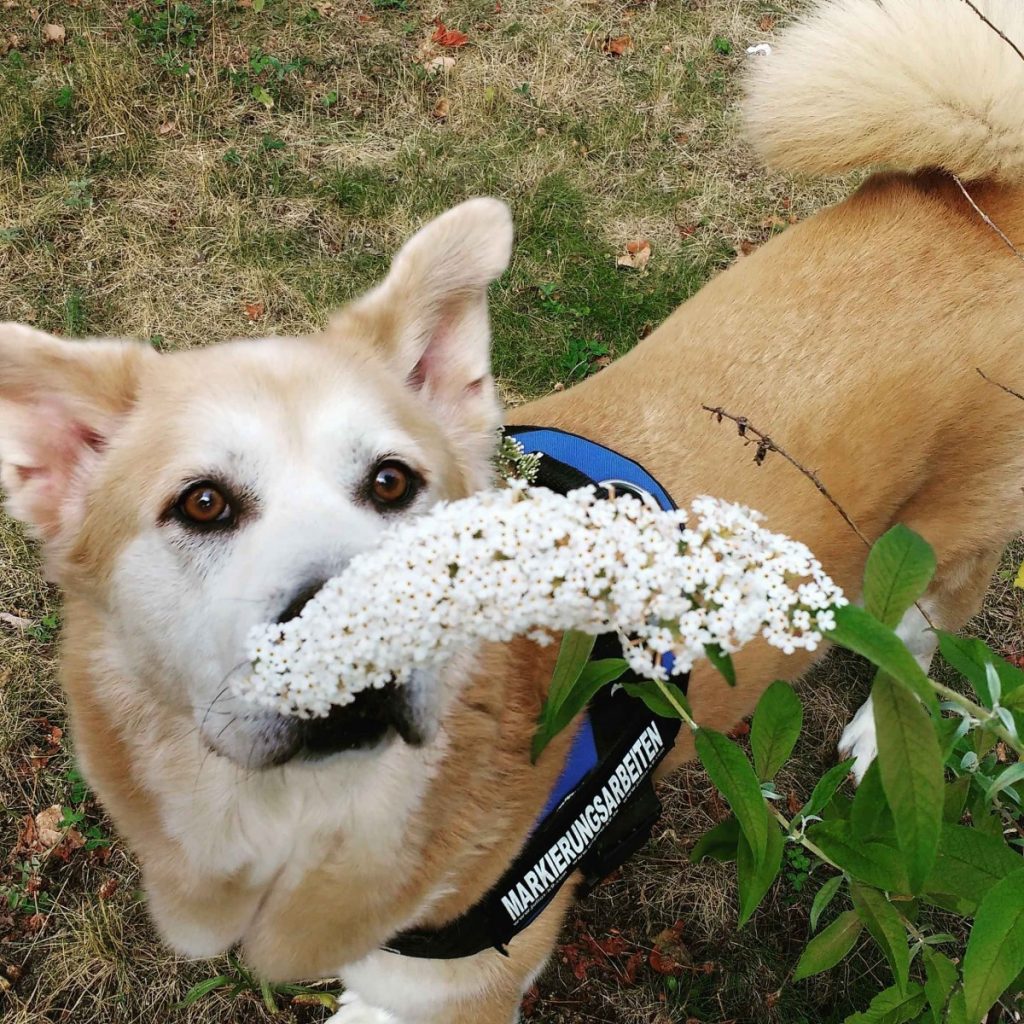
[{"x": 189, "y": 497}]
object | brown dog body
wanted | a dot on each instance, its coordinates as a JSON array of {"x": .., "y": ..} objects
[{"x": 854, "y": 339}]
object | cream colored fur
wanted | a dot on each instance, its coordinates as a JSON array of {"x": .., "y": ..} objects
[{"x": 853, "y": 338}]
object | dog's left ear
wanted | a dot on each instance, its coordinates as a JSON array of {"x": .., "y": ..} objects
[
  {"x": 60, "y": 404},
  {"x": 428, "y": 318}
]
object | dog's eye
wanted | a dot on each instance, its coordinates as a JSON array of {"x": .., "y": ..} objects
[
  {"x": 393, "y": 484},
  {"x": 204, "y": 504}
]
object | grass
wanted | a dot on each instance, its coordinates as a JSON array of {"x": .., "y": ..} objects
[{"x": 187, "y": 172}]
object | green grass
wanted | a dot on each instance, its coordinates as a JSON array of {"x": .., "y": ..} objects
[{"x": 172, "y": 163}]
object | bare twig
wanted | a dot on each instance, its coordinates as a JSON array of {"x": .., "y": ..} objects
[
  {"x": 1002, "y": 387},
  {"x": 998, "y": 31},
  {"x": 989, "y": 221},
  {"x": 765, "y": 445}
]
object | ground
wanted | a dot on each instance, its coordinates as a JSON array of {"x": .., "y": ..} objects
[{"x": 187, "y": 172}]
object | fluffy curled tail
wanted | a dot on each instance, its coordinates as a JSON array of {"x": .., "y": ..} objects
[{"x": 906, "y": 83}]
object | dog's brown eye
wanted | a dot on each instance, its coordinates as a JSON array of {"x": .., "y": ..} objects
[
  {"x": 204, "y": 504},
  {"x": 394, "y": 484}
]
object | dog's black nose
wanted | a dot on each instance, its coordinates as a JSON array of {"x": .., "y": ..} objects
[
  {"x": 363, "y": 723},
  {"x": 301, "y": 599}
]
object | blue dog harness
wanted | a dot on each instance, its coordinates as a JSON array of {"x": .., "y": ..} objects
[{"x": 603, "y": 807}]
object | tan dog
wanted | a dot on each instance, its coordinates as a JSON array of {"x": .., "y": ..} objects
[{"x": 182, "y": 499}]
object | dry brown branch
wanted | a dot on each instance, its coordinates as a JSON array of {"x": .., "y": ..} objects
[
  {"x": 998, "y": 31},
  {"x": 1002, "y": 387},
  {"x": 765, "y": 444},
  {"x": 989, "y": 221}
]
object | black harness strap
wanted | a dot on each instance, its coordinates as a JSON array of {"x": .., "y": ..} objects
[{"x": 603, "y": 820}]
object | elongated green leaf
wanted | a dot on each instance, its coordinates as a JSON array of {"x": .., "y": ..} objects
[
  {"x": 774, "y": 729},
  {"x": 719, "y": 843},
  {"x": 910, "y": 765},
  {"x": 826, "y": 787},
  {"x": 829, "y": 948},
  {"x": 995, "y": 949},
  {"x": 870, "y": 814},
  {"x": 970, "y": 863},
  {"x": 875, "y": 863},
  {"x": 825, "y": 895},
  {"x": 954, "y": 798},
  {"x": 941, "y": 975},
  {"x": 651, "y": 695},
  {"x": 892, "y": 1006},
  {"x": 860, "y": 632},
  {"x": 573, "y": 655},
  {"x": 722, "y": 662},
  {"x": 755, "y": 877},
  {"x": 886, "y": 926},
  {"x": 898, "y": 571},
  {"x": 1006, "y": 778},
  {"x": 730, "y": 771},
  {"x": 204, "y": 988},
  {"x": 970, "y": 657},
  {"x": 553, "y": 720}
]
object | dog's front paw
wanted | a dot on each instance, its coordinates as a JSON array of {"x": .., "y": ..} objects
[
  {"x": 355, "y": 1011},
  {"x": 859, "y": 740}
]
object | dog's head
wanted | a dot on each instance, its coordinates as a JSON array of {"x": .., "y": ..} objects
[{"x": 187, "y": 497}]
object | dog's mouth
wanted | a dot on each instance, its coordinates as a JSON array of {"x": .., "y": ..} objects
[{"x": 370, "y": 719}]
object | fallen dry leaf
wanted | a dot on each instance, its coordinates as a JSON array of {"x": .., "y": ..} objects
[
  {"x": 441, "y": 108},
  {"x": 15, "y": 621},
  {"x": 167, "y": 127},
  {"x": 636, "y": 256},
  {"x": 767, "y": 23},
  {"x": 439, "y": 64},
  {"x": 254, "y": 310},
  {"x": 617, "y": 45},
  {"x": 107, "y": 889},
  {"x": 53, "y": 34},
  {"x": 445, "y": 36},
  {"x": 48, "y": 830}
]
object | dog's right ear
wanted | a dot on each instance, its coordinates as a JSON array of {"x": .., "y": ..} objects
[{"x": 60, "y": 403}]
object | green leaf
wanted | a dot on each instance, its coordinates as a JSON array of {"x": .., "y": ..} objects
[
  {"x": 553, "y": 720},
  {"x": 870, "y": 814},
  {"x": 260, "y": 95},
  {"x": 730, "y": 771},
  {"x": 204, "y": 988},
  {"x": 995, "y": 949},
  {"x": 898, "y": 571},
  {"x": 886, "y": 926},
  {"x": 970, "y": 657},
  {"x": 862, "y": 633},
  {"x": 722, "y": 662},
  {"x": 825, "y": 895},
  {"x": 829, "y": 948},
  {"x": 573, "y": 654},
  {"x": 941, "y": 975},
  {"x": 970, "y": 863},
  {"x": 755, "y": 877},
  {"x": 1007, "y": 777},
  {"x": 892, "y": 1006},
  {"x": 954, "y": 799},
  {"x": 650, "y": 693},
  {"x": 774, "y": 729},
  {"x": 718, "y": 844},
  {"x": 826, "y": 787},
  {"x": 910, "y": 764},
  {"x": 875, "y": 863}
]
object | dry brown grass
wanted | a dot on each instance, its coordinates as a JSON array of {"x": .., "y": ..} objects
[{"x": 138, "y": 198}]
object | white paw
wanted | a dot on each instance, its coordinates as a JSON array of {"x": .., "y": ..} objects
[
  {"x": 355, "y": 1011},
  {"x": 859, "y": 740}
]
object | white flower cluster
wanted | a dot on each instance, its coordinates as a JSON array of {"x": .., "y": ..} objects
[{"x": 525, "y": 560}]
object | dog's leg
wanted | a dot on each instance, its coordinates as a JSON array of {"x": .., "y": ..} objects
[
  {"x": 859, "y": 739},
  {"x": 355, "y": 1011}
]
